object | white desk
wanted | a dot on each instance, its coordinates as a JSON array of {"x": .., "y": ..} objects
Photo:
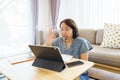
[{"x": 25, "y": 71}]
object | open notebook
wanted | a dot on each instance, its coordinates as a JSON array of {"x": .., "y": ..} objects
[{"x": 66, "y": 57}]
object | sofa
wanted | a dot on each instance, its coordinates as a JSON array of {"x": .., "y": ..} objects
[
  {"x": 103, "y": 57},
  {"x": 107, "y": 60},
  {"x": 106, "y": 56}
]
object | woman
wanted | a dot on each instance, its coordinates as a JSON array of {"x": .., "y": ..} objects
[{"x": 69, "y": 42}]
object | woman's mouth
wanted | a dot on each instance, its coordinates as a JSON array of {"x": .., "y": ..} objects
[{"x": 65, "y": 37}]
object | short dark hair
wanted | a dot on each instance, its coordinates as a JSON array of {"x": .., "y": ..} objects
[{"x": 71, "y": 23}]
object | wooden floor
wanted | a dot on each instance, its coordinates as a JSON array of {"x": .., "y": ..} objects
[{"x": 107, "y": 68}]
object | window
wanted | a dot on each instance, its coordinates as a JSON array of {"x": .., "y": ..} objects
[{"x": 15, "y": 27}]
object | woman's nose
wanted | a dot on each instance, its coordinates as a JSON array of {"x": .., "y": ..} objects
[{"x": 63, "y": 32}]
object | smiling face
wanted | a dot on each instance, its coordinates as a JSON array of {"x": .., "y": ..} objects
[
  {"x": 69, "y": 29},
  {"x": 66, "y": 31}
]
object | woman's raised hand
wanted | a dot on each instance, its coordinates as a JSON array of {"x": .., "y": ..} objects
[{"x": 50, "y": 37}]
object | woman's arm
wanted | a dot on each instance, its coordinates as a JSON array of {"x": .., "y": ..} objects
[{"x": 84, "y": 56}]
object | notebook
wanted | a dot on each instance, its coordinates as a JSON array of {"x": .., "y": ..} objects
[{"x": 48, "y": 57}]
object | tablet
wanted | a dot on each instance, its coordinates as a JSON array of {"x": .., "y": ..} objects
[{"x": 48, "y": 57}]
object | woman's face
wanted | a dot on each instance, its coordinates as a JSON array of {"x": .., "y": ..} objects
[{"x": 66, "y": 31}]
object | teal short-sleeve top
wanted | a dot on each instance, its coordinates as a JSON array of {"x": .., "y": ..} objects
[{"x": 79, "y": 46}]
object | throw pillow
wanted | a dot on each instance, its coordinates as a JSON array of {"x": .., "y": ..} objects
[{"x": 111, "y": 37}]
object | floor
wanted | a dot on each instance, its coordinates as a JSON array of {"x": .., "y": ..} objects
[
  {"x": 100, "y": 74},
  {"x": 2, "y": 77}
]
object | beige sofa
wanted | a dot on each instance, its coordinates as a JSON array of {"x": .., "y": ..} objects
[{"x": 103, "y": 57}]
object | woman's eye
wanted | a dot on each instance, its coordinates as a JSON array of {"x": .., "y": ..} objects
[{"x": 66, "y": 29}]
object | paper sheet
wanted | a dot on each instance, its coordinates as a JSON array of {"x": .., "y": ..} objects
[{"x": 66, "y": 57}]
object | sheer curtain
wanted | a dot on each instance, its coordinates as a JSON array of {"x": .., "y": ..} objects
[
  {"x": 104, "y": 11},
  {"x": 16, "y": 31},
  {"x": 44, "y": 16},
  {"x": 90, "y": 13},
  {"x": 48, "y": 14},
  {"x": 55, "y": 5},
  {"x": 35, "y": 20},
  {"x": 69, "y": 9}
]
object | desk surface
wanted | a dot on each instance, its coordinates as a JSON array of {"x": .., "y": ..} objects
[{"x": 25, "y": 71}]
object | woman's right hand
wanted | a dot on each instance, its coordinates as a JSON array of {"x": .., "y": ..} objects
[{"x": 50, "y": 37}]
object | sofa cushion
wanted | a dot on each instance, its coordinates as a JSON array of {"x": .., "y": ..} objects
[
  {"x": 99, "y": 36},
  {"x": 105, "y": 56},
  {"x": 88, "y": 34},
  {"x": 111, "y": 38}
]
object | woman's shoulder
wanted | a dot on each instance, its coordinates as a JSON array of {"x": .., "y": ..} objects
[
  {"x": 84, "y": 42},
  {"x": 59, "y": 39}
]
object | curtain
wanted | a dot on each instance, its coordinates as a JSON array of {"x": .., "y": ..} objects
[
  {"x": 103, "y": 11},
  {"x": 35, "y": 21},
  {"x": 55, "y": 5},
  {"x": 90, "y": 13}
]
